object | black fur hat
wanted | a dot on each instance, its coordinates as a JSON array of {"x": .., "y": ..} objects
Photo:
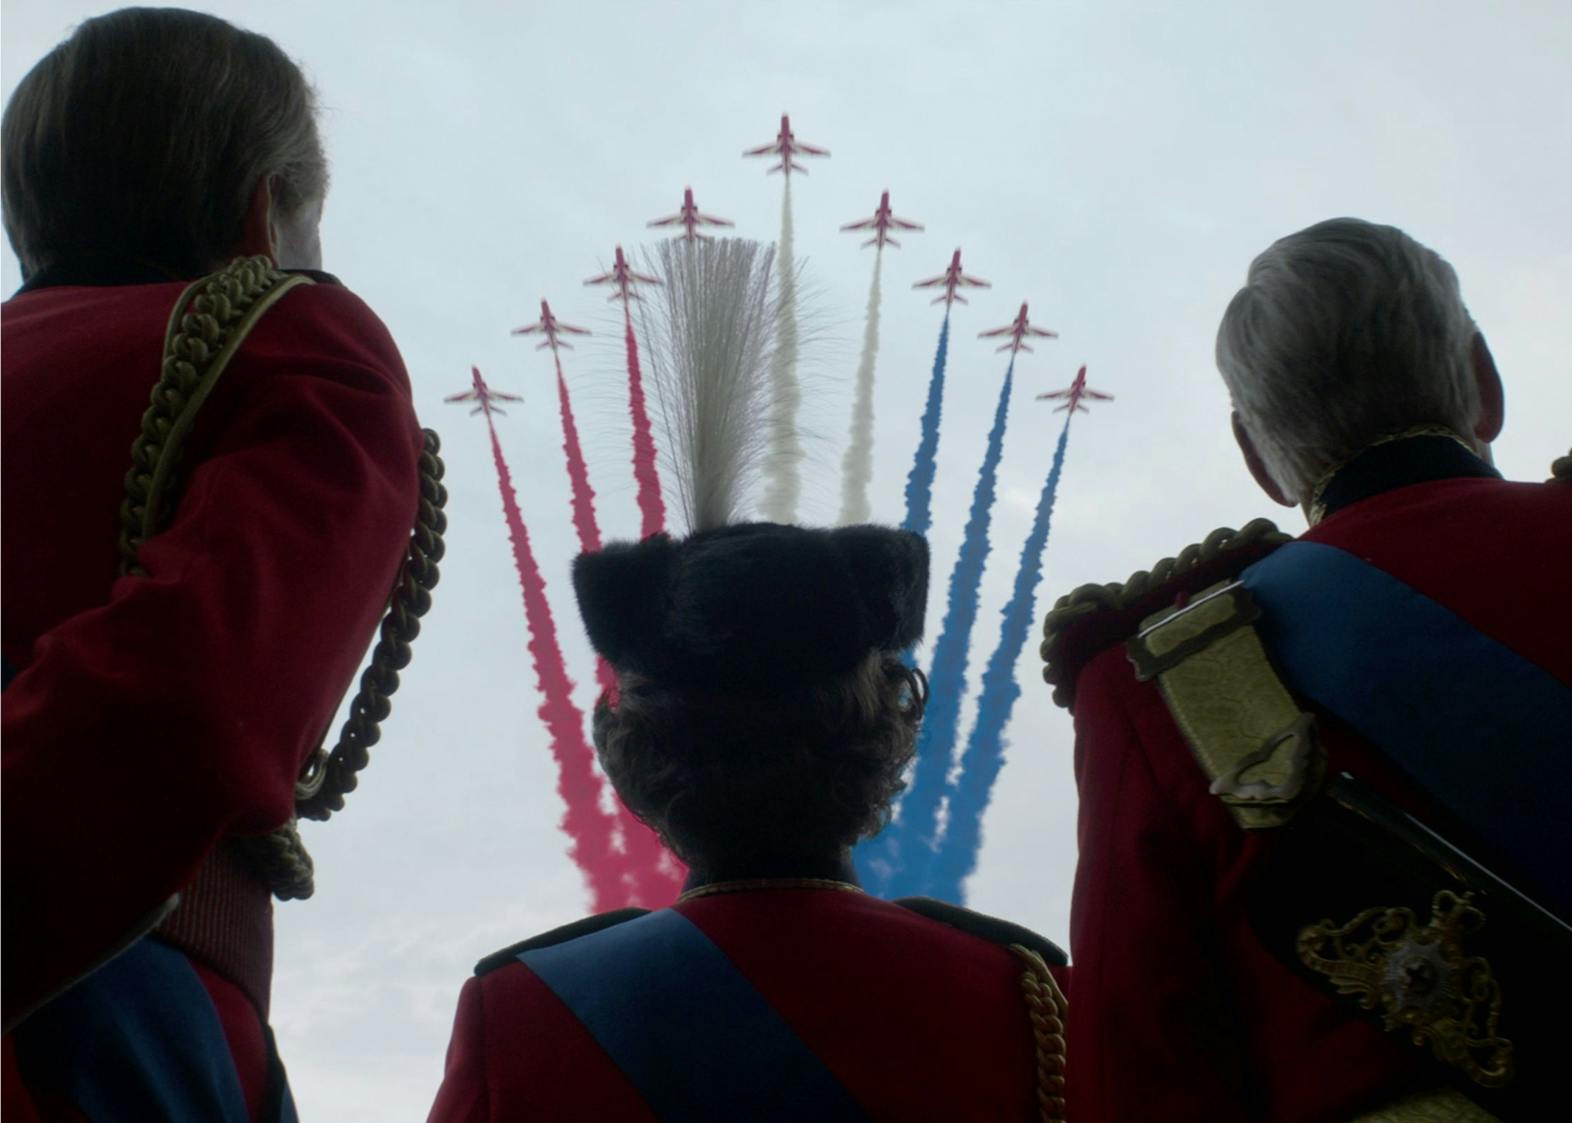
[{"x": 756, "y": 606}]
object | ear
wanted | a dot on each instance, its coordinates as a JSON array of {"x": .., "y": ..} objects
[
  {"x": 1488, "y": 426},
  {"x": 1253, "y": 461},
  {"x": 256, "y": 233}
]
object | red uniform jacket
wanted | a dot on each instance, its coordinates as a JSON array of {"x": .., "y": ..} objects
[
  {"x": 1180, "y": 1014},
  {"x": 152, "y": 716},
  {"x": 917, "y": 1019}
]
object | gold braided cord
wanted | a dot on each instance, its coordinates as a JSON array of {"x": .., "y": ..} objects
[
  {"x": 207, "y": 326},
  {"x": 210, "y": 320},
  {"x": 1090, "y": 599},
  {"x": 329, "y": 776},
  {"x": 281, "y": 861},
  {"x": 280, "y": 858},
  {"x": 1047, "y": 1009}
]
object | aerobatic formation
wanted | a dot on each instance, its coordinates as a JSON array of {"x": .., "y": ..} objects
[
  {"x": 932, "y": 844},
  {"x": 748, "y": 707}
]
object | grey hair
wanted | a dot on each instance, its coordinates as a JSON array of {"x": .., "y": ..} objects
[
  {"x": 142, "y": 138},
  {"x": 1344, "y": 333}
]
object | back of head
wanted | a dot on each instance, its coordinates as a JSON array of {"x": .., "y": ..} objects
[
  {"x": 142, "y": 138},
  {"x": 1345, "y": 333},
  {"x": 764, "y": 716}
]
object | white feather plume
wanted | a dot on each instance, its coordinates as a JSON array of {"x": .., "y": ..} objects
[{"x": 710, "y": 337}]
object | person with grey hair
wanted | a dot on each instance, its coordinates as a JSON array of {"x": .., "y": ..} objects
[
  {"x": 176, "y": 637},
  {"x": 1345, "y": 335},
  {"x": 1323, "y": 781}
]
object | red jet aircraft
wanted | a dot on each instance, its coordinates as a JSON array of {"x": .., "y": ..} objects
[
  {"x": 551, "y": 325},
  {"x": 1074, "y": 393},
  {"x": 483, "y": 394},
  {"x": 1018, "y": 330},
  {"x": 786, "y": 146},
  {"x": 881, "y": 223},
  {"x": 689, "y": 217},
  {"x": 952, "y": 278},
  {"x": 622, "y": 278}
]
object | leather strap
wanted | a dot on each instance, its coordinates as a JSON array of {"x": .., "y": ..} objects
[{"x": 1254, "y": 744}]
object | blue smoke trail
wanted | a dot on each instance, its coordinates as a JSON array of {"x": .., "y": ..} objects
[
  {"x": 920, "y": 481},
  {"x": 886, "y": 860},
  {"x": 985, "y": 752}
]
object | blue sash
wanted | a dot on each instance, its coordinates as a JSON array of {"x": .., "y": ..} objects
[
  {"x": 1478, "y": 727},
  {"x": 138, "y": 1039},
  {"x": 694, "y": 1036}
]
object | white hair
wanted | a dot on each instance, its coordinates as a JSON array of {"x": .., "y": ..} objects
[{"x": 1345, "y": 333}]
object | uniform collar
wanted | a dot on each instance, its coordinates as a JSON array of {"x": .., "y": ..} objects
[
  {"x": 835, "y": 873},
  {"x": 763, "y": 884},
  {"x": 1414, "y": 457}
]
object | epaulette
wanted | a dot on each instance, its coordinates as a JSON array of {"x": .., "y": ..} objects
[
  {"x": 1560, "y": 470},
  {"x": 557, "y": 936},
  {"x": 990, "y": 928},
  {"x": 1089, "y": 619}
]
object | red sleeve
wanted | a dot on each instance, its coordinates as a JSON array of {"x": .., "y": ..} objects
[
  {"x": 181, "y": 709},
  {"x": 463, "y": 1096},
  {"x": 1151, "y": 1035}
]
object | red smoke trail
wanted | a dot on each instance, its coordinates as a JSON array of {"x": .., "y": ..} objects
[
  {"x": 642, "y": 847},
  {"x": 588, "y": 828},
  {"x": 583, "y": 496},
  {"x": 652, "y": 511}
]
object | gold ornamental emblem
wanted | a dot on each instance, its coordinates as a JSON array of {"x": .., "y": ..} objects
[{"x": 1421, "y": 979}]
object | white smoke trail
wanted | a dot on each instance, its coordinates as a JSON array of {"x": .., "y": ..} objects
[
  {"x": 784, "y": 454},
  {"x": 857, "y": 466}
]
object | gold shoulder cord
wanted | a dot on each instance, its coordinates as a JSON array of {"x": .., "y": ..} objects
[
  {"x": 207, "y": 326},
  {"x": 1090, "y": 600},
  {"x": 1047, "y": 1008}
]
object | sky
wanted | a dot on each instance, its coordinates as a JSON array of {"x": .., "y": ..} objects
[{"x": 1116, "y": 164}]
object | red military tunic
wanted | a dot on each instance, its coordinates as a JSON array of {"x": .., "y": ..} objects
[
  {"x": 917, "y": 1019},
  {"x": 1180, "y": 1013},
  {"x": 151, "y": 717}
]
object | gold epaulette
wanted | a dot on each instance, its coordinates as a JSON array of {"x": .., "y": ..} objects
[
  {"x": 1560, "y": 470},
  {"x": 1092, "y": 618}
]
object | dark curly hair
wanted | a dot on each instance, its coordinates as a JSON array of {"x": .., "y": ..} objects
[{"x": 723, "y": 777}]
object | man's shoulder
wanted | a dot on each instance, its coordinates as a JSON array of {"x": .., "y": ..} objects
[
  {"x": 559, "y": 935},
  {"x": 1093, "y": 618},
  {"x": 104, "y": 320},
  {"x": 327, "y": 318}
]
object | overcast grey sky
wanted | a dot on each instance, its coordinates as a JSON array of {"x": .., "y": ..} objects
[{"x": 1117, "y": 164}]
